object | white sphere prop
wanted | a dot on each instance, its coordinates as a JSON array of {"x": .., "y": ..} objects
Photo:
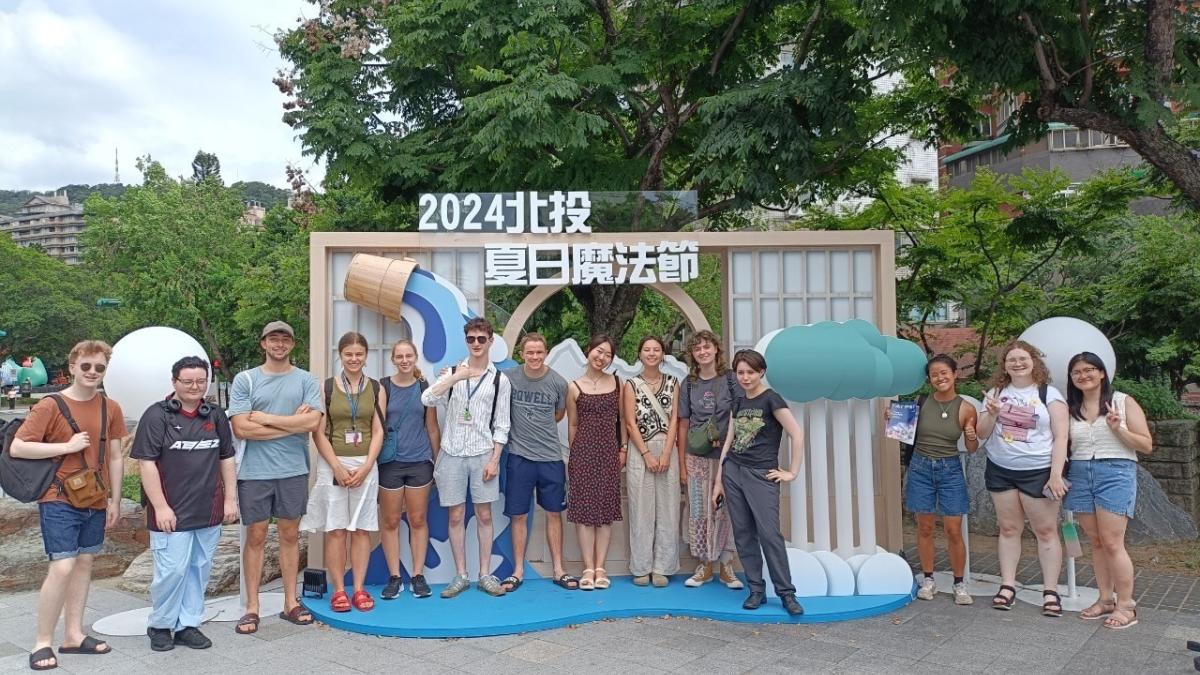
[
  {"x": 885, "y": 574},
  {"x": 761, "y": 348},
  {"x": 838, "y": 573},
  {"x": 1062, "y": 337},
  {"x": 139, "y": 372}
]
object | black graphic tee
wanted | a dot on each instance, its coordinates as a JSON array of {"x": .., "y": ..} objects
[
  {"x": 756, "y": 432},
  {"x": 188, "y": 449}
]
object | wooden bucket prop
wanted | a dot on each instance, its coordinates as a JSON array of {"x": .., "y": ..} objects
[{"x": 377, "y": 283}]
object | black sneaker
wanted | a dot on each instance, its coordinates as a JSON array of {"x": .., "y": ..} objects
[
  {"x": 792, "y": 607},
  {"x": 754, "y": 600},
  {"x": 420, "y": 588},
  {"x": 160, "y": 639},
  {"x": 395, "y": 586},
  {"x": 192, "y": 637}
]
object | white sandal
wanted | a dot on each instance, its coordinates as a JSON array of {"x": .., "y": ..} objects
[
  {"x": 602, "y": 580},
  {"x": 587, "y": 580}
]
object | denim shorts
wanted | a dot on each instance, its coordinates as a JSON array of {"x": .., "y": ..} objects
[
  {"x": 68, "y": 532},
  {"x": 936, "y": 486},
  {"x": 1110, "y": 484}
]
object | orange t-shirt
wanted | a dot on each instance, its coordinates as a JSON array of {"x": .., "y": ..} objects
[{"x": 45, "y": 424}]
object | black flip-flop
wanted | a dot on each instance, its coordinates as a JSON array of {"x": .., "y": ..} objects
[
  {"x": 41, "y": 655},
  {"x": 511, "y": 584},
  {"x": 88, "y": 646},
  {"x": 566, "y": 581}
]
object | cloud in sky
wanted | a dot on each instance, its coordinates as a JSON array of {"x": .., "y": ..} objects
[{"x": 80, "y": 79}]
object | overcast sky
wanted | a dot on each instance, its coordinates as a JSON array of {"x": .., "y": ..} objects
[{"x": 81, "y": 78}]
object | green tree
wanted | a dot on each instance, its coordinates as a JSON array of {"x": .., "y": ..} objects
[
  {"x": 747, "y": 103},
  {"x": 206, "y": 167},
  {"x": 46, "y": 306},
  {"x": 174, "y": 251},
  {"x": 1129, "y": 69}
]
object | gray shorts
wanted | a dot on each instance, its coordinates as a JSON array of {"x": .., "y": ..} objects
[
  {"x": 453, "y": 475},
  {"x": 283, "y": 498}
]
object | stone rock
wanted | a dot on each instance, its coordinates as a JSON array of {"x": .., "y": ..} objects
[
  {"x": 1155, "y": 518},
  {"x": 1176, "y": 433},
  {"x": 226, "y": 564},
  {"x": 23, "y": 556}
]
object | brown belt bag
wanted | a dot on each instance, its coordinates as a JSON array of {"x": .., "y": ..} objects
[{"x": 86, "y": 486}]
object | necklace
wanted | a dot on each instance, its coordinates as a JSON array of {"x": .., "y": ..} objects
[{"x": 945, "y": 408}]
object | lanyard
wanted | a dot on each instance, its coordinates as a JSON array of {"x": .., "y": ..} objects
[
  {"x": 353, "y": 399},
  {"x": 471, "y": 393}
]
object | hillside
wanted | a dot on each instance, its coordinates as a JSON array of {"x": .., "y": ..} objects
[{"x": 11, "y": 200}]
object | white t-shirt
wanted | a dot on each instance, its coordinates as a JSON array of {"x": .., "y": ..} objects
[{"x": 1022, "y": 439}]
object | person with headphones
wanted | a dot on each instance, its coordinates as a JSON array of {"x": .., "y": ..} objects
[{"x": 185, "y": 451}]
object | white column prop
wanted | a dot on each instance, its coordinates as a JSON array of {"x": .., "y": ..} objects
[
  {"x": 819, "y": 470},
  {"x": 864, "y": 474},
  {"x": 799, "y": 500},
  {"x": 843, "y": 499}
]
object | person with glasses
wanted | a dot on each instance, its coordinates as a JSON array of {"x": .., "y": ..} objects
[
  {"x": 477, "y": 399},
  {"x": 274, "y": 408},
  {"x": 345, "y": 494},
  {"x": 1024, "y": 424},
  {"x": 1108, "y": 431},
  {"x": 184, "y": 449},
  {"x": 81, "y": 429}
]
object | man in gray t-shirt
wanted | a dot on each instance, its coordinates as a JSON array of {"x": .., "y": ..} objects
[
  {"x": 274, "y": 408},
  {"x": 535, "y": 458}
]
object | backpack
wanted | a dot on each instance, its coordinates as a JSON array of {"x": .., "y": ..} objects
[
  {"x": 329, "y": 399},
  {"x": 495, "y": 396},
  {"x": 26, "y": 480}
]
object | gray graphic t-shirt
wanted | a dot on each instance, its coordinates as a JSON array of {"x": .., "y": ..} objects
[
  {"x": 702, "y": 399},
  {"x": 535, "y": 402}
]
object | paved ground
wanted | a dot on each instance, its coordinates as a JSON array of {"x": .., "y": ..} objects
[{"x": 926, "y": 637}]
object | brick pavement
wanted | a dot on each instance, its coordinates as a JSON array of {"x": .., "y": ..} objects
[{"x": 926, "y": 637}]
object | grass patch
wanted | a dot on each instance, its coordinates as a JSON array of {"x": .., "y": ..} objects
[{"x": 131, "y": 487}]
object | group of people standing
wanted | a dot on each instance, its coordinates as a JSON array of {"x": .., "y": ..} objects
[
  {"x": 1045, "y": 453},
  {"x": 656, "y": 430}
]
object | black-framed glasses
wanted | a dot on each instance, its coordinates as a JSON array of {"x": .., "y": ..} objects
[
  {"x": 193, "y": 383},
  {"x": 477, "y": 339},
  {"x": 87, "y": 367}
]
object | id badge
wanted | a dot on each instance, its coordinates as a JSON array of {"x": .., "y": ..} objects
[
  {"x": 353, "y": 437},
  {"x": 465, "y": 418}
]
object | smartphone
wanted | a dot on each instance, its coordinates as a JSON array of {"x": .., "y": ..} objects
[
  {"x": 335, "y": 481},
  {"x": 720, "y": 502}
]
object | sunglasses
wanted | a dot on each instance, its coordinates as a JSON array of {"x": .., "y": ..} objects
[
  {"x": 87, "y": 367},
  {"x": 477, "y": 339}
]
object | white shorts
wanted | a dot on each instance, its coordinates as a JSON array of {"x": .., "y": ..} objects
[
  {"x": 453, "y": 475},
  {"x": 334, "y": 507}
]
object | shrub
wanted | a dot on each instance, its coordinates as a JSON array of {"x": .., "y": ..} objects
[{"x": 1155, "y": 397}]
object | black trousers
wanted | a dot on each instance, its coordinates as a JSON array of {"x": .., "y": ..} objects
[{"x": 753, "y": 503}]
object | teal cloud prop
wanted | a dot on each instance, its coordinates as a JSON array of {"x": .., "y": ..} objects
[{"x": 840, "y": 361}]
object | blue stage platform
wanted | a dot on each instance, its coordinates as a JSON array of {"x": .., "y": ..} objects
[{"x": 540, "y": 605}]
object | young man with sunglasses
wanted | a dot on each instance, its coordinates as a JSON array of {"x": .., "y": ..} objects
[
  {"x": 189, "y": 486},
  {"x": 73, "y": 427},
  {"x": 476, "y": 396},
  {"x": 274, "y": 407}
]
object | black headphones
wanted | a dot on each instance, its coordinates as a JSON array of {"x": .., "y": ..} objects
[{"x": 172, "y": 405}]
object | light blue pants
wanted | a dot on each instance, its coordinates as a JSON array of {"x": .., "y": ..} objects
[{"x": 182, "y": 563}]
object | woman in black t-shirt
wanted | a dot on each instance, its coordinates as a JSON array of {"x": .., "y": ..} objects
[{"x": 749, "y": 477}]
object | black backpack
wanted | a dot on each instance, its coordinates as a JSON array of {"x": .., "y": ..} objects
[{"x": 26, "y": 480}]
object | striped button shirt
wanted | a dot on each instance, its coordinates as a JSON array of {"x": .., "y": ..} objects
[{"x": 469, "y": 438}]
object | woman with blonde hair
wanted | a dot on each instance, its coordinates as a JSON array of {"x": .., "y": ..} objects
[
  {"x": 1025, "y": 425},
  {"x": 345, "y": 494},
  {"x": 705, "y": 401},
  {"x": 410, "y": 447}
]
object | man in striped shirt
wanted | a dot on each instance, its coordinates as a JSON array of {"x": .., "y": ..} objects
[{"x": 475, "y": 430}]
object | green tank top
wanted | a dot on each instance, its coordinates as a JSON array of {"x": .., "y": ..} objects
[
  {"x": 937, "y": 436},
  {"x": 340, "y": 421}
]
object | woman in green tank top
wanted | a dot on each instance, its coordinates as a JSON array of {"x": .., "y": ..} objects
[{"x": 935, "y": 485}]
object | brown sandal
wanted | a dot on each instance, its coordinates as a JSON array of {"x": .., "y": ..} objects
[
  {"x": 1099, "y": 610},
  {"x": 1122, "y": 617},
  {"x": 247, "y": 621}
]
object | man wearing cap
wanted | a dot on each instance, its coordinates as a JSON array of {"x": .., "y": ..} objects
[{"x": 274, "y": 408}]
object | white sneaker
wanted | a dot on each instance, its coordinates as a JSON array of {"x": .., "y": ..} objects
[
  {"x": 729, "y": 578},
  {"x": 927, "y": 590},
  {"x": 961, "y": 596}
]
